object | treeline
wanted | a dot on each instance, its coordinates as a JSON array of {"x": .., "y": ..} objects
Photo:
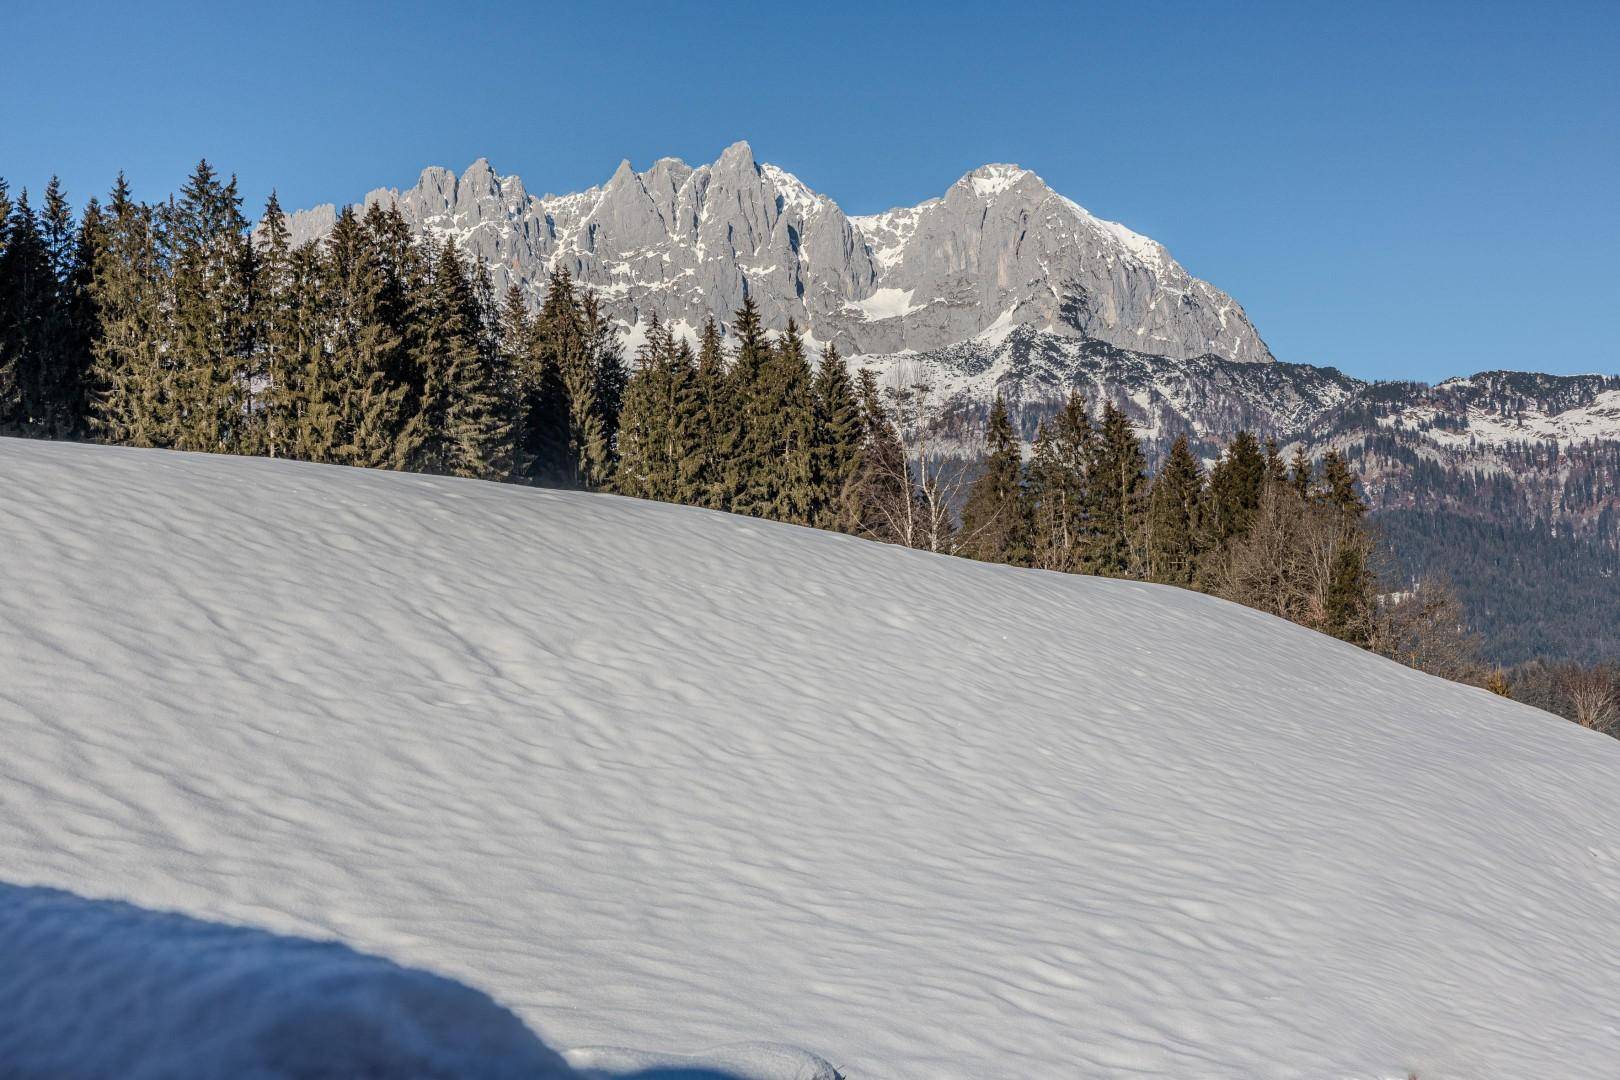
[{"x": 175, "y": 325}]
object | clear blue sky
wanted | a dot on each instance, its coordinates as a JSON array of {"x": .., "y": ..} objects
[{"x": 1401, "y": 190}]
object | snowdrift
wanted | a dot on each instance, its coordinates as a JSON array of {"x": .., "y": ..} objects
[{"x": 651, "y": 776}]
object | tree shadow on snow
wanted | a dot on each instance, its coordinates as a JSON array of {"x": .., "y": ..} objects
[{"x": 92, "y": 988}]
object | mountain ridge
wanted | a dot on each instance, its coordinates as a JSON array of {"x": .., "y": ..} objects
[{"x": 998, "y": 248}]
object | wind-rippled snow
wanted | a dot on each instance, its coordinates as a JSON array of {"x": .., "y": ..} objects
[{"x": 658, "y": 777}]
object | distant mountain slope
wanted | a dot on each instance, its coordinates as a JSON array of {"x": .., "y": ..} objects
[
  {"x": 1529, "y": 592},
  {"x": 999, "y": 248},
  {"x": 659, "y": 776}
]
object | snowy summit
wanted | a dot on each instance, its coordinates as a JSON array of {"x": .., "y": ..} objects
[{"x": 655, "y": 777}]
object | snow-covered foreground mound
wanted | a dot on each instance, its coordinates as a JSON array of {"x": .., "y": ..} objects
[{"x": 663, "y": 778}]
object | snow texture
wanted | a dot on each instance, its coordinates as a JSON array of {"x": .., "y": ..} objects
[{"x": 661, "y": 777}]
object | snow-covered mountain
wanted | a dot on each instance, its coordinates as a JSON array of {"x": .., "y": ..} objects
[
  {"x": 1003, "y": 286},
  {"x": 998, "y": 249},
  {"x": 656, "y": 776}
]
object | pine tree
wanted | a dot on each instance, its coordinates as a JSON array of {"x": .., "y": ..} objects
[
  {"x": 686, "y": 407},
  {"x": 28, "y": 326},
  {"x": 516, "y": 341},
  {"x": 611, "y": 375},
  {"x": 1339, "y": 485},
  {"x": 880, "y": 501},
  {"x": 82, "y": 320},
  {"x": 778, "y": 423},
  {"x": 467, "y": 428},
  {"x": 5, "y": 214},
  {"x": 1299, "y": 473},
  {"x": 61, "y": 406},
  {"x": 275, "y": 335},
  {"x": 1174, "y": 527},
  {"x": 1276, "y": 471},
  {"x": 837, "y": 437},
  {"x": 545, "y": 430},
  {"x": 1057, "y": 488},
  {"x": 740, "y": 451},
  {"x": 1234, "y": 487},
  {"x": 374, "y": 425},
  {"x": 311, "y": 387},
  {"x": 132, "y": 381},
  {"x": 573, "y": 389},
  {"x": 1351, "y": 595},
  {"x": 647, "y": 469},
  {"x": 210, "y": 338},
  {"x": 995, "y": 527},
  {"x": 714, "y": 412},
  {"x": 590, "y": 439},
  {"x": 1117, "y": 484}
]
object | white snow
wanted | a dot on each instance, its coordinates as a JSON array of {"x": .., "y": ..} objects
[
  {"x": 884, "y": 304},
  {"x": 659, "y": 777},
  {"x": 795, "y": 193},
  {"x": 1598, "y": 421},
  {"x": 991, "y": 180},
  {"x": 999, "y": 330}
]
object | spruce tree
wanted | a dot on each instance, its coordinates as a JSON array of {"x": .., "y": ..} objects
[
  {"x": 714, "y": 411},
  {"x": 995, "y": 527},
  {"x": 1299, "y": 473},
  {"x": 275, "y": 335},
  {"x": 1351, "y": 595},
  {"x": 1235, "y": 485},
  {"x": 82, "y": 320},
  {"x": 1057, "y": 488},
  {"x": 837, "y": 437},
  {"x": 544, "y": 426},
  {"x": 686, "y": 406},
  {"x": 467, "y": 428},
  {"x": 1117, "y": 483},
  {"x": 1339, "y": 485},
  {"x": 28, "y": 326},
  {"x": 375, "y": 428},
  {"x": 67, "y": 335},
  {"x": 311, "y": 386},
  {"x": 778, "y": 425},
  {"x": 517, "y": 345},
  {"x": 646, "y": 469},
  {"x": 740, "y": 451},
  {"x": 611, "y": 374},
  {"x": 210, "y": 338},
  {"x": 131, "y": 381},
  {"x": 1173, "y": 526},
  {"x": 880, "y": 501},
  {"x": 5, "y": 213},
  {"x": 590, "y": 438}
]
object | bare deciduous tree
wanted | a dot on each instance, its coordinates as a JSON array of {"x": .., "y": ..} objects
[
  {"x": 1424, "y": 628},
  {"x": 1593, "y": 698}
]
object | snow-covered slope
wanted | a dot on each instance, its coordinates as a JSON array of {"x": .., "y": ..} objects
[{"x": 653, "y": 776}]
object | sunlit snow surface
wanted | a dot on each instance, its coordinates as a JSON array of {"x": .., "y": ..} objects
[{"x": 663, "y": 778}]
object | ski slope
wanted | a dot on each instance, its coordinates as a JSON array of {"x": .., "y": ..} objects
[{"x": 660, "y": 778}]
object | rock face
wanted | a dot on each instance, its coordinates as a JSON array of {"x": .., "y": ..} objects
[{"x": 998, "y": 250}]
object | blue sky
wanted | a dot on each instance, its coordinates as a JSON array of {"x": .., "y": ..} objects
[{"x": 1399, "y": 190}]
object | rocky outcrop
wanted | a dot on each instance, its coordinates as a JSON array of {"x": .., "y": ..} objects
[{"x": 998, "y": 250}]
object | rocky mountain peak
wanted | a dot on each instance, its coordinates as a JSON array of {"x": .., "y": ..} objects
[{"x": 998, "y": 250}]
